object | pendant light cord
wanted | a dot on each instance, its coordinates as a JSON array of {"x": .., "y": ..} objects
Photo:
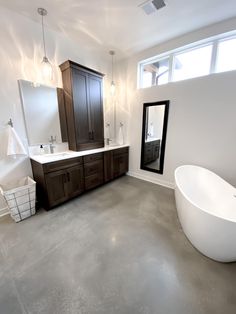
[
  {"x": 44, "y": 46},
  {"x": 112, "y": 66},
  {"x": 112, "y": 53}
]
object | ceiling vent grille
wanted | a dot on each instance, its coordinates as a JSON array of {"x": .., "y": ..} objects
[{"x": 150, "y": 7}]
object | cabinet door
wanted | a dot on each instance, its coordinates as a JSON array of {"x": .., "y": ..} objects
[
  {"x": 96, "y": 108},
  {"x": 81, "y": 106},
  {"x": 56, "y": 187},
  {"x": 120, "y": 164},
  {"x": 108, "y": 166},
  {"x": 75, "y": 181}
]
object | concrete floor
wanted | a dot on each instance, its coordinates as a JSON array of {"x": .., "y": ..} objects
[{"x": 118, "y": 249}]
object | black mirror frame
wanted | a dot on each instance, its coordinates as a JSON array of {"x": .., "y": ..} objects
[{"x": 163, "y": 144}]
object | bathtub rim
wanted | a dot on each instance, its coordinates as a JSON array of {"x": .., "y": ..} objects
[{"x": 193, "y": 203}]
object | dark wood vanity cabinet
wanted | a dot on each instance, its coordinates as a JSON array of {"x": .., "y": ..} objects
[
  {"x": 58, "y": 181},
  {"x": 61, "y": 180},
  {"x": 83, "y": 105},
  {"x": 151, "y": 151},
  {"x": 116, "y": 163},
  {"x": 120, "y": 161}
]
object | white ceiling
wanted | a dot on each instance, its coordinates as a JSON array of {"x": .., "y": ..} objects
[{"x": 120, "y": 24}]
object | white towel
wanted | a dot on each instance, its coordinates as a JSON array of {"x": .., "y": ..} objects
[
  {"x": 120, "y": 139},
  {"x": 151, "y": 131},
  {"x": 11, "y": 144}
]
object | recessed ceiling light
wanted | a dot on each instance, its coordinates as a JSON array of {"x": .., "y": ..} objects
[{"x": 152, "y": 6}]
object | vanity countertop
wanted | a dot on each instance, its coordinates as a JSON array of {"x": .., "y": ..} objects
[
  {"x": 46, "y": 158},
  {"x": 152, "y": 139}
]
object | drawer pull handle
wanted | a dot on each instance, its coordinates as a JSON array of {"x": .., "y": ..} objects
[
  {"x": 68, "y": 176},
  {"x": 64, "y": 178}
]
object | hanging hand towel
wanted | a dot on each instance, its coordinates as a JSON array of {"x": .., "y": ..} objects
[
  {"x": 14, "y": 145},
  {"x": 120, "y": 139}
]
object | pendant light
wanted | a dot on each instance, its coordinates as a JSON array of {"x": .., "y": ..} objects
[
  {"x": 47, "y": 71},
  {"x": 113, "y": 86}
]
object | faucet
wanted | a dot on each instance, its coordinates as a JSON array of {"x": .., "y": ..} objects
[
  {"x": 108, "y": 140},
  {"x": 52, "y": 140}
]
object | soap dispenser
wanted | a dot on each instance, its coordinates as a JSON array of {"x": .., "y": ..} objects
[{"x": 41, "y": 149}]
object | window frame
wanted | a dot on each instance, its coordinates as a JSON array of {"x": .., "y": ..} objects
[
  {"x": 210, "y": 43},
  {"x": 214, "y": 41},
  {"x": 141, "y": 65},
  {"x": 217, "y": 53}
]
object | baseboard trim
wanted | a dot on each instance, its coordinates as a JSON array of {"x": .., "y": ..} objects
[
  {"x": 155, "y": 181},
  {"x": 4, "y": 211}
]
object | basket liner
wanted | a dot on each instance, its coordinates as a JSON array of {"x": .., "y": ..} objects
[{"x": 18, "y": 185}]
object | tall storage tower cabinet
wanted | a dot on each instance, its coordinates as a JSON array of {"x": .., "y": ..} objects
[{"x": 83, "y": 92}]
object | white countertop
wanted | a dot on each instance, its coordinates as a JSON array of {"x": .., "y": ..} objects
[{"x": 45, "y": 158}]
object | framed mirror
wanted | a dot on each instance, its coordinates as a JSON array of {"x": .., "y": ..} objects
[
  {"x": 44, "y": 112},
  {"x": 155, "y": 118}
]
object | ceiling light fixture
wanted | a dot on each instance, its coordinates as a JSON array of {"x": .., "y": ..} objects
[
  {"x": 113, "y": 86},
  {"x": 151, "y": 6},
  {"x": 47, "y": 71}
]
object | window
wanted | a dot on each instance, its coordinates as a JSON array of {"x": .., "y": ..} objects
[
  {"x": 215, "y": 54},
  {"x": 226, "y": 59},
  {"x": 155, "y": 73},
  {"x": 193, "y": 63}
]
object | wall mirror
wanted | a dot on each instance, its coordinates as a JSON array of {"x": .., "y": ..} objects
[
  {"x": 155, "y": 117},
  {"x": 43, "y": 109}
]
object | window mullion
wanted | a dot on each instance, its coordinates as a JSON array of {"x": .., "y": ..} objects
[
  {"x": 171, "y": 66},
  {"x": 214, "y": 56}
]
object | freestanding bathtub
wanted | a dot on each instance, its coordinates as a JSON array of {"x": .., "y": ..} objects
[{"x": 206, "y": 206}]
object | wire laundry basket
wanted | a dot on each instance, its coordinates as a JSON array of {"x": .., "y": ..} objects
[{"x": 20, "y": 197}]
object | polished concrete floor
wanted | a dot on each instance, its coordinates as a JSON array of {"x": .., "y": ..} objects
[{"x": 118, "y": 249}]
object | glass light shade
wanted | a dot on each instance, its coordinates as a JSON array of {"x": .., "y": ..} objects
[
  {"x": 113, "y": 87},
  {"x": 47, "y": 71}
]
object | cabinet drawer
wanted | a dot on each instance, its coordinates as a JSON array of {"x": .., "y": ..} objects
[
  {"x": 93, "y": 181},
  {"x": 148, "y": 150},
  {"x": 148, "y": 144},
  {"x": 93, "y": 167},
  {"x": 93, "y": 157},
  {"x": 121, "y": 151},
  {"x": 62, "y": 164}
]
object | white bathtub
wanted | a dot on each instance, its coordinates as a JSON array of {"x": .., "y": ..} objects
[{"x": 206, "y": 206}]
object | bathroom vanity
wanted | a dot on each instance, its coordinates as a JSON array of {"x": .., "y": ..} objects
[
  {"x": 72, "y": 115},
  {"x": 60, "y": 177}
]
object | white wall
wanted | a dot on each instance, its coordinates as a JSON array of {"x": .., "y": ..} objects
[
  {"x": 20, "y": 56},
  {"x": 201, "y": 126}
]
